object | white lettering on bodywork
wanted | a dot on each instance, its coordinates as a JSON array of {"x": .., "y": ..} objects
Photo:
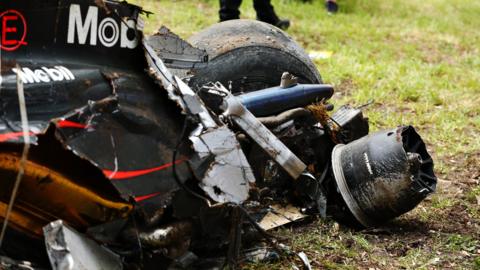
[
  {"x": 44, "y": 74},
  {"x": 107, "y": 30},
  {"x": 75, "y": 25},
  {"x": 125, "y": 42}
]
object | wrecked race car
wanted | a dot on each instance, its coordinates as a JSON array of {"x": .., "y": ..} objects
[{"x": 119, "y": 150}]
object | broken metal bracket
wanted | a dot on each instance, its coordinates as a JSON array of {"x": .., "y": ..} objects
[
  {"x": 278, "y": 151},
  {"x": 261, "y": 135}
]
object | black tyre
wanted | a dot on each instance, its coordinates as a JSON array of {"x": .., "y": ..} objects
[{"x": 251, "y": 55}]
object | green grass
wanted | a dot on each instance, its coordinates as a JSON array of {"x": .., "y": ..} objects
[{"x": 419, "y": 61}]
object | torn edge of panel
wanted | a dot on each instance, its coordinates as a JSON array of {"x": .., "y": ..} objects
[{"x": 176, "y": 52}]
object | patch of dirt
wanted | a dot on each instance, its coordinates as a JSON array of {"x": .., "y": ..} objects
[
  {"x": 456, "y": 219},
  {"x": 345, "y": 87},
  {"x": 435, "y": 48},
  {"x": 465, "y": 169}
]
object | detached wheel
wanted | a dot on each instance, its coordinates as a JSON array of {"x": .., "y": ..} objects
[{"x": 251, "y": 55}]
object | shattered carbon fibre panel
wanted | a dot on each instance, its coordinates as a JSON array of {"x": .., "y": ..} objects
[
  {"x": 227, "y": 176},
  {"x": 91, "y": 91},
  {"x": 123, "y": 136}
]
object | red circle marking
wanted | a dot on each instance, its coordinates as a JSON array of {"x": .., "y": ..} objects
[{"x": 22, "y": 40}]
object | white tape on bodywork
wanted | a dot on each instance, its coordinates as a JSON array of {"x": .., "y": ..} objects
[{"x": 23, "y": 160}]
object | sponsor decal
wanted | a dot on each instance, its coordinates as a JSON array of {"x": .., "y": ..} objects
[
  {"x": 120, "y": 175},
  {"x": 70, "y": 124},
  {"x": 108, "y": 32},
  {"x": 14, "y": 30},
  {"x": 44, "y": 74},
  {"x": 146, "y": 197},
  {"x": 5, "y": 137}
]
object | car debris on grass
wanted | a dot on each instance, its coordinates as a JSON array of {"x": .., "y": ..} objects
[{"x": 121, "y": 163}]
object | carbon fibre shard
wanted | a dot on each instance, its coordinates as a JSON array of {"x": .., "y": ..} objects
[
  {"x": 67, "y": 249},
  {"x": 280, "y": 215}
]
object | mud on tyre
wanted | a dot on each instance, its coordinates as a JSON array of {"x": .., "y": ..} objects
[{"x": 251, "y": 55}]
